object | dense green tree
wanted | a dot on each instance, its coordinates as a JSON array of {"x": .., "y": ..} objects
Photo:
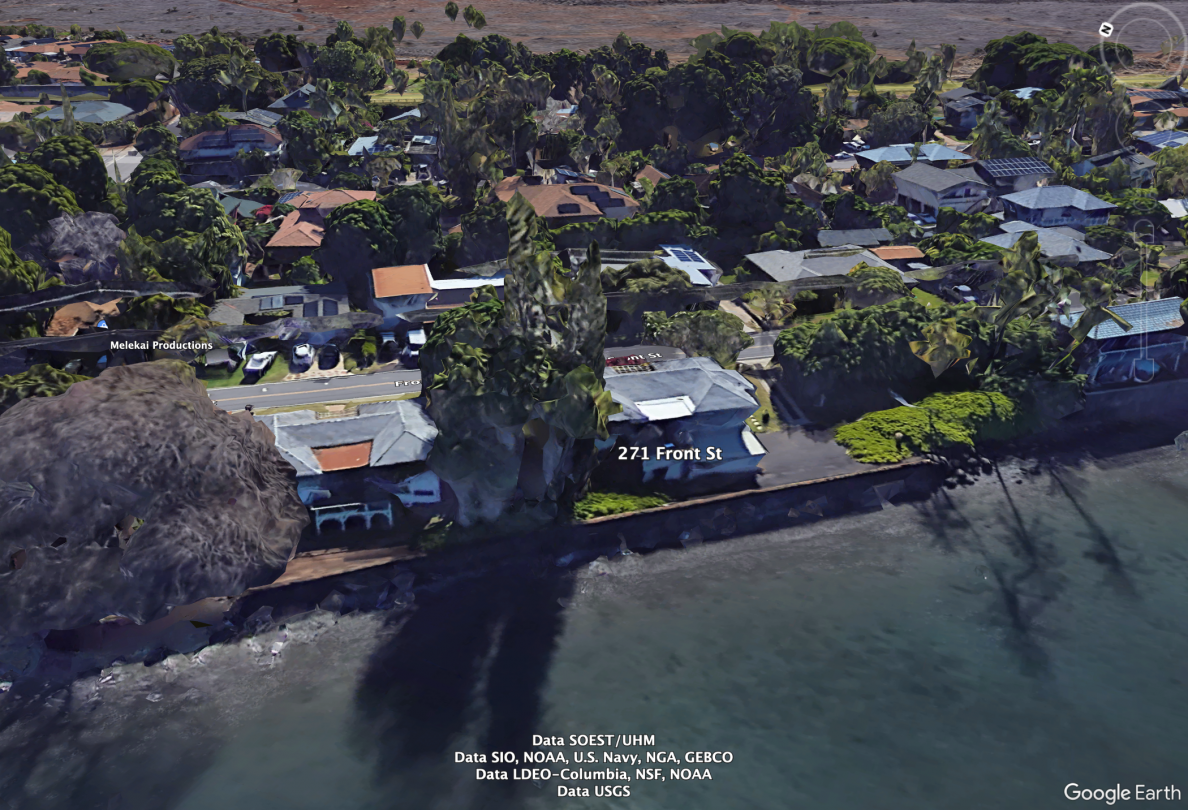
[
  {"x": 359, "y": 236},
  {"x": 125, "y": 61},
  {"x": 158, "y": 312},
  {"x": 41, "y": 380},
  {"x": 8, "y": 70},
  {"x": 306, "y": 271},
  {"x": 155, "y": 139},
  {"x": 700, "y": 333},
  {"x": 901, "y": 122},
  {"x": 346, "y": 62},
  {"x": 876, "y": 285},
  {"x": 277, "y": 52},
  {"x": 75, "y": 163},
  {"x": 484, "y": 234},
  {"x": 17, "y": 276},
  {"x": 1171, "y": 176},
  {"x": 416, "y": 220},
  {"x": 675, "y": 194},
  {"x": 30, "y": 198},
  {"x": 976, "y": 226},
  {"x": 515, "y": 386},
  {"x": 199, "y": 86},
  {"x": 645, "y": 276},
  {"x": 307, "y": 145},
  {"x": 38, "y": 77},
  {"x": 951, "y": 248},
  {"x": 137, "y": 94}
]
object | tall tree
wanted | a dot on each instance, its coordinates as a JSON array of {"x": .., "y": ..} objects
[{"x": 516, "y": 386}]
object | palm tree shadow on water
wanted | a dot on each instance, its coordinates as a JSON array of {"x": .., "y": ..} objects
[{"x": 463, "y": 672}]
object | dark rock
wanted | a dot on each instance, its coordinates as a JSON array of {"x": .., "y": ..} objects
[
  {"x": 141, "y": 446},
  {"x": 78, "y": 248}
]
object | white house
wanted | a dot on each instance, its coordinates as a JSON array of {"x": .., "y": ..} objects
[
  {"x": 924, "y": 188},
  {"x": 684, "y": 419}
]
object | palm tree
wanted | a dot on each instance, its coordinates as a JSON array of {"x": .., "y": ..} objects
[
  {"x": 944, "y": 346},
  {"x": 399, "y": 26},
  {"x": 451, "y": 10},
  {"x": 417, "y": 29},
  {"x": 240, "y": 77},
  {"x": 378, "y": 40}
]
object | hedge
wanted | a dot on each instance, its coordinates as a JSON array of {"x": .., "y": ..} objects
[
  {"x": 937, "y": 422},
  {"x": 600, "y": 504}
]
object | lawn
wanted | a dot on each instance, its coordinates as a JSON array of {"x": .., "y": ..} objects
[
  {"x": 926, "y": 298},
  {"x": 221, "y": 379},
  {"x": 398, "y": 98},
  {"x": 767, "y": 418},
  {"x": 819, "y": 89},
  {"x": 600, "y": 504}
]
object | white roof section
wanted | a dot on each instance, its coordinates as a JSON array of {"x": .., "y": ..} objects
[
  {"x": 471, "y": 283},
  {"x": 699, "y": 269},
  {"x": 657, "y": 410}
]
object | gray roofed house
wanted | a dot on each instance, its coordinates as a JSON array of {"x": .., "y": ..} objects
[
  {"x": 91, "y": 112},
  {"x": 1144, "y": 318},
  {"x": 923, "y": 188},
  {"x": 297, "y": 100},
  {"x": 369, "y": 453},
  {"x": 689, "y": 405},
  {"x": 301, "y": 301},
  {"x": 264, "y": 118},
  {"x": 1055, "y": 244},
  {"x": 1140, "y": 167},
  {"x": 1049, "y": 206},
  {"x": 901, "y": 154},
  {"x": 399, "y": 432},
  {"x": 866, "y": 237},
  {"x": 789, "y": 265}
]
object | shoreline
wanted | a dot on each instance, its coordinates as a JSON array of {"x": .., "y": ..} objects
[{"x": 598, "y": 542}]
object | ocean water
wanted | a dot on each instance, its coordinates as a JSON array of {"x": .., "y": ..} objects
[{"x": 981, "y": 650}]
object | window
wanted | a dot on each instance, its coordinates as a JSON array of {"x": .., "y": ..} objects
[
  {"x": 568, "y": 208},
  {"x": 329, "y": 307},
  {"x": 310, "y": 310},
  {"x": 291, "y": 300}
]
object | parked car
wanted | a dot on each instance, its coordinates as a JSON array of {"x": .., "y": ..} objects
[
  {"x": 411, "y": 353},
  {"x": 328, "y": 357},
  {"x": 302, "y": 356},
  {"x": 259, "y": 362}
]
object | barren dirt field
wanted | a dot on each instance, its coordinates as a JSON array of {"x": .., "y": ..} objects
[{"x": 546, "y": 25}]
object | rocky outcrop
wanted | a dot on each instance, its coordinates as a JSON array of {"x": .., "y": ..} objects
[
  {"x": 78, "y": 248},
  {"x": 131, "y": 493}
]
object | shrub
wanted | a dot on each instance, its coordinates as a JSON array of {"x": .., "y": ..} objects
[
  {"x": 937, "y": 422},
  {"x": 600, "y": 504}
]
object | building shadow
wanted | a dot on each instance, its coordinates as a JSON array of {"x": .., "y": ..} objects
[{"x": 462, "y": 672}]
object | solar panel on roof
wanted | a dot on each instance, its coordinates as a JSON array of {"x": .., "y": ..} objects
[
  {"x": 284, "y": 198},
  {"x": 1158, "y": 95},
  {"x": 1164, "y": 138},
  {"x": 1014, "y": 167}
]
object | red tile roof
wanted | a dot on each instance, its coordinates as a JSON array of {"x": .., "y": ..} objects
[
  {"x": 343, "y": 456},
  {"x": 408, "y": 279},
  {"x": 296, "y": 231},
  {"x": 893, "y": 252}
]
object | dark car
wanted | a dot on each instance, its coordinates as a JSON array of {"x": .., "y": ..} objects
[{"x": 328, "y": 357}]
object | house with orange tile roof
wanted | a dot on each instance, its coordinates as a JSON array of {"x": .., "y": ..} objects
[
  {"x": 396, "y": 290},
  {"x": 301, "y": 231},
  {"x": 564, "y": 203}
]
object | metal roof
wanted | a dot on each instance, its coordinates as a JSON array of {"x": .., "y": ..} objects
[
  {"x": 91, "y": 112},
  {"x": 695, "y": 386},
  {"x": 1053, "y": 244},
  {"x": 1026, "y": 92},
  {"x": 1057, "y": 197},
  {"x": 1156, "y": 94},
  {"x": 902, "y": 153},
  {"x": 1015, "y": 167},
  {"x": 867, "y": 237},
  {"x": 1144, "y": 316},
  {"x": 784, "y": 265},
  {"x": 932, "y": 178},
  {"x": 399, "y": 432},
  {"x": 1165, "y": 139}
]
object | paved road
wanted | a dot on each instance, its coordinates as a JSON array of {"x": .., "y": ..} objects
[
  {"x": 363, "y": 386},
  {"x": 763, "y": 349},
  {"x": 313, "y": 392}
]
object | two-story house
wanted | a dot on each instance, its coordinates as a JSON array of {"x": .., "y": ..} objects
[
  {"x": 684, "y": 419},
  {"x": 1139, "y": 167},
  {"x": 924, "y": 188},
  {"x": 222, "y": 153},
  {"x": 1052, "y": 206},
  {"x": 357, "y": 462},
  {"x": 300, "y": 232}
]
